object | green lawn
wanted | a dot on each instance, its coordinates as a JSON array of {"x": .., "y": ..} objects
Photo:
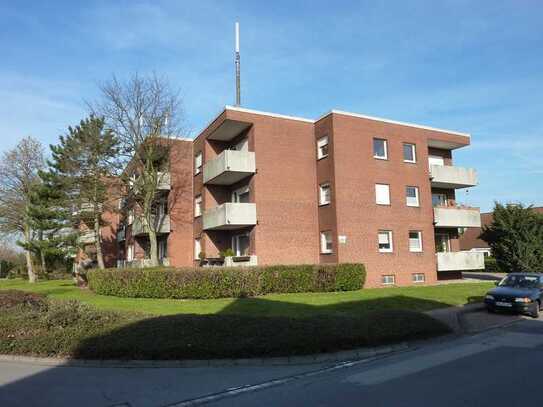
[{"x": 291, "y": 305}]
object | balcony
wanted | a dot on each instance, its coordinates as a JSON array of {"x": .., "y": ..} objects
[
  {"x": 459, "y": 261},
  {"x": 162, "y": 225},
  {"x": 230, "y": 216},
  {"x": 164, "y": 182},
  {"x": 456, "y": 217},
  {"x": 448, "y": 176},
  {"x": 229, "y": 167},
  {"x": 87, "y": 237}
]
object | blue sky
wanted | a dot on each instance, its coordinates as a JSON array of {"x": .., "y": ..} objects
[{"x": 470, "y": 66}]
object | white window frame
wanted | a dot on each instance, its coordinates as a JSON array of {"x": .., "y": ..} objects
[
  {"x": 384, "y": 277},
  {"x": 130, "y": 252},
  {"x": 390, "y": 241},
  {"x": 413, "y": 152},
  {"x": 321, "y": 142},
  {"x": 236, "y": 245},
  {"x": 436, "y": 160},
  {"x": 198, "y": 163},
  {"x": 415, "y": 278},
  {"x": 198, "y": 206},
  {"x": 380, "y": 190},
  {"x": 415, "y": 203},
  {"x": 326, "y": 236},
  {"x": 237, "y": 192},
  {"x": 384, "y": 157},
  {"x": 197, "y": 248},
  {"x": 130, "y": 219},
  {"x": 323, "y": 200},
  {"x": 419, "y": 238}
]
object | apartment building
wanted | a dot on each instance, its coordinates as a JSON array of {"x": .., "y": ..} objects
[{"x": 277, "y": 189}]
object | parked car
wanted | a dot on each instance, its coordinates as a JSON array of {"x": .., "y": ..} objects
[{"x": 518, "y": 292}]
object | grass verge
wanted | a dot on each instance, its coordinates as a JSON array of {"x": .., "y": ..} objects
[{"x": 31, "y": 324}]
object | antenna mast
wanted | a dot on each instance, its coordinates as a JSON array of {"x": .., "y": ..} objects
[{"x": 238, "y": 91}]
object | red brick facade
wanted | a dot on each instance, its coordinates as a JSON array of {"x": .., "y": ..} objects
[{"x": 285, "y": 191}]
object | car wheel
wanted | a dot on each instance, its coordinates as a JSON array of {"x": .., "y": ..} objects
[
  {"x": 535, "y": 312},
  {"x": 491, "y": 310}
]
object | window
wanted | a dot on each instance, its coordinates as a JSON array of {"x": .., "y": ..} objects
[
  {"x": 443, "y": 243},
  {"x": 419, "y": 278},
  {"x": 130, "y": 219},
  {"x": 198, "y": 206},
  {"x": 197, "y": 248},
  {"x": 415, "y": 241},
  {"x": 324, "y": 194},
  {"x": 162, "y": 248},
  {"x": 412, "y": 196},
  {"x": 385, "y": 241},
  {"x": 241, "y": 195},
  {"x": 382, "y": 194},
  {"x": 409, "y": 153},
  {"x": 439, "y": 199},
  {"x": 380, "y": 148},
  {"x": 388, "y": 279},
  {"x": 130, "y": 252},
  {"x": 436, "y": 160},
  {"x": 322, "y": 147},
  {"x": 240, "y": 244},
  {"x": 326, "y": 242},
  {"x": 198, "y": 163}
]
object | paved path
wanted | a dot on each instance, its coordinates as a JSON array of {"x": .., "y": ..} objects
[{"x": 470, "y": 371}]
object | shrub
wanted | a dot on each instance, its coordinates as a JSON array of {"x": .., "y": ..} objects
[
  {"x": 491, "y": 265},
  {"x": 219, "y": 282},
  {"x": 14, "y": 298}
]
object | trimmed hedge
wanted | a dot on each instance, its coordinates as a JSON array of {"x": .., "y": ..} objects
[
  {"x": 491, "y": 265},
  {"x": 224, "y": 282}
]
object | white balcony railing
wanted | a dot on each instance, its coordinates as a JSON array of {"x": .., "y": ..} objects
[
  {"x": 457, "y": 217},
  {"x": 458, "y": 261},
  {"x": 161, "y": 225},
  {"x": 87, "y": 237},
  {"x": 230, "y": 216},
  {"x": 448, "y": 176},
  {"x": 229, "y": 167}
]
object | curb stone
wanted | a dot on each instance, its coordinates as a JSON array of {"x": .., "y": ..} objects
[{"x": 342, "y": 356}]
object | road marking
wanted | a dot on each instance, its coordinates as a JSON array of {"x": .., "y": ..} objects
[{"x": 388, "y": 372}]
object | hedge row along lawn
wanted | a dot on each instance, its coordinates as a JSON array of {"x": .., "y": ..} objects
[
  {"x": 226, "y": 282},
  {"x": 32, "y": 324}
]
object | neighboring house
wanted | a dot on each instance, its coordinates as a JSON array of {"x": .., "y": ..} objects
[
  {"x": 469, "y": 240},
  {"x": 286, "y": 190}
]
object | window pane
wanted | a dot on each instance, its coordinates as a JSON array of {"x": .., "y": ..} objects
[
  {"x": 379, "y": 148},
  {"x": 415, "y": 241},
  {"x": 412, "y": 196},
  {"x": 382, "y": 194},
  {"x": 322, "y": 147},
  {"x": 385, "y": 241},
  {"x": 409, "y": 152},
  {"x": 324, "y": 197}
]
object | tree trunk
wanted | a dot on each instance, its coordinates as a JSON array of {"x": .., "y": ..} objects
[
  {"x": 32, "y": 277},
  {"x": 153, "y": 246},
  {"x": 43, "y": 264},
  {"x": 98, "y": 242}
]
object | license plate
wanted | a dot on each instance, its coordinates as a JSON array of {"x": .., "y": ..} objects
[{"x": 503, "y": 304}]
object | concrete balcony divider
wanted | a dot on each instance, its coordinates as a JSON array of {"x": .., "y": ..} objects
[
  {"x": 448, "y": 176},
  {"x": 457, "y": 261},
  {"x": 230, "y": 216},
  {"x": 229, "y": 167},
  {"x": 457, "y": 217},
  {"x": 162, "y": 225}
]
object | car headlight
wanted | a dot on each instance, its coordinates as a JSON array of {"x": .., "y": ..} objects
[
  {"x": 523, "y": 299},
  {"x": 489, "y": 297}
]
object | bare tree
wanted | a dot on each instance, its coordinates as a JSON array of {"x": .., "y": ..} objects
[
  {"x": 144, "y": 113},
  {"x": 18, "y": 173}
]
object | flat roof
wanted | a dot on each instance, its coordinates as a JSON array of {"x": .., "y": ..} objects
[{"x": 333, "y": 111}]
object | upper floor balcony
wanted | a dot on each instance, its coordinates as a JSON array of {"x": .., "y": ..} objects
[
  {"x": 87, "y": 237},
  {"x": 161, "y": 225},
  {"x": 229, "y": 167},
  {"x": 448, "y": 176},
  {"x": 458, "y": 261},
  {"x": 230, "y": 215},
  {"x": 457, "y": 217},
  {"x": 164, "y": 181}
]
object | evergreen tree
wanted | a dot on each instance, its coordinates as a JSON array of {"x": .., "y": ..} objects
[
  {"x": 86, "y": 161},
  {"x": 516, "y": 238}
]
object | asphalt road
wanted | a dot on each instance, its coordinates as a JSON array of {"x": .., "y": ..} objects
[{"x": 496, "y": 368}]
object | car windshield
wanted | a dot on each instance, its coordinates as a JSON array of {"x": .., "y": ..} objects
[{"x": 520, "y": 281}]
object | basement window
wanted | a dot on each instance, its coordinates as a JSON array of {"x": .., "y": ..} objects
[
  {"x": 419, "y": 278},
  {"x": 388, "y": 279}
]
